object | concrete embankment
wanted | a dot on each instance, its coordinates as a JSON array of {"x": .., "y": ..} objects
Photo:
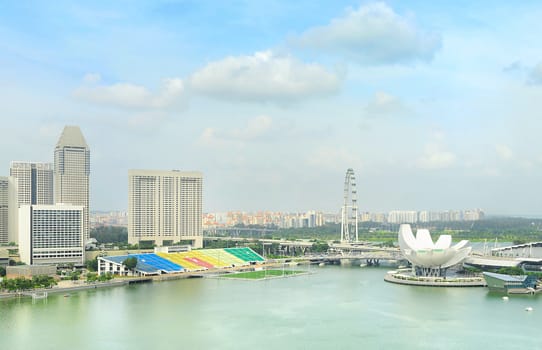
[{"x": 67, "y": 289}]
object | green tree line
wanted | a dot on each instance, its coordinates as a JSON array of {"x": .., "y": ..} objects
[
  {"x": 21, "y": 283},
  {"x": 110, "y": 234}
]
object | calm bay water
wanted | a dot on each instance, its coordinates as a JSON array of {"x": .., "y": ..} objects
[{"x": 334, "y": 308}]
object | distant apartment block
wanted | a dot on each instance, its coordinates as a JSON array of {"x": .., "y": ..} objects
[
  {"x": 402, "y": 217},
  {"x": 109, "y": 218},
  {"x": 51, "y": 234},
  {"x": 72, "y": 171},
  {"x": 35, "y": 182},
  {"x": 8, "y": 210},
  {"x": 316, "y": 218},
  {"x": 165, "y": 207},
  {"x": 308, "y": 219},
  {"x": 373, "y": 217}
]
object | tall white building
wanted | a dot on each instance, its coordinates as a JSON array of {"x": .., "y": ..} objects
[
  {"x": 423, "y": 216},
  {"x": 8, "y": 209},
  {"x": 72, "y": 170},
  {"x": 165, "y": 207},
  {"x": 51, "y": 234},
  {"x": 35, "y": 182},
  {"x": 402, "y": 217}
]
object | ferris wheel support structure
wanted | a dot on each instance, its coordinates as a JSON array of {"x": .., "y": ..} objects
[{"x": 349, "y": 212}]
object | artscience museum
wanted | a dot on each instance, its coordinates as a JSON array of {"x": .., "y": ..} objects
[{"x": 430, "y": 259}]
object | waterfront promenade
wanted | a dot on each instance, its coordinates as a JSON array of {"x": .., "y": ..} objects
[{"x": 72, "y": 286}]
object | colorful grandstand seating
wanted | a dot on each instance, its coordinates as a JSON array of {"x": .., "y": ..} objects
[
  {"x": 195, "y": 260},
  {"x": 209, "y": 259},
  {"x": 179, "y": 258},
  {"x": 149, "y": 263},
  {"x": 221, "y": 257},
  {"x": 245, "y": 254},
  {"x": 200, "y": 262}
]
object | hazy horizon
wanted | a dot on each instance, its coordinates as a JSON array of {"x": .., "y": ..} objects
[{"x": 434, "y": 105}]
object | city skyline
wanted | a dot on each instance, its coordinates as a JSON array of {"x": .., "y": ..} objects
[{"x": 434, "y": 106}]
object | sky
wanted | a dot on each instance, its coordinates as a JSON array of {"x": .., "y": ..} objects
[{"x": 435, "y": 105}]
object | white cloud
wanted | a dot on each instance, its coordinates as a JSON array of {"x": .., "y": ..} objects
[
  {"x": 372, "y": 34},
  {"x": 504, "y": 152},
  {"x": 256, "y": 128},
  {"x": 127, "y": 95},
  {"x": 383, "y": 103},
  {"x": 264, "y": 77},
  {"x": 535, "y": 76},
  {"x": 435, "y": 157}
]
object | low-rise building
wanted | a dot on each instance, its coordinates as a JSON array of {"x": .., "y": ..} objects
[
  {"x": 27, "y": 271},
  {"x": 4, "y": 257}
]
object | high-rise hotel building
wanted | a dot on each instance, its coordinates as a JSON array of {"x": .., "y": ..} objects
[
  {"x": 8, "y": 209},
  {"x": 165, "y": 207},
  {"x": 72, "y": 170},
  {"x": 35, "y": 182},
  {"x": 51, "y": 234}
]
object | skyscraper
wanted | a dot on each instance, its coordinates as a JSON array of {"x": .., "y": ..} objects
[
  {"x": 72, "y": 170},
  {"x": 35, "y": 182},
  {"x": 8, "y": 209},
  {"x": 165, "y": 207}
]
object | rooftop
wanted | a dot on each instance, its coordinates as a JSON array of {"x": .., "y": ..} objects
[{"x": 71, "y": 136}]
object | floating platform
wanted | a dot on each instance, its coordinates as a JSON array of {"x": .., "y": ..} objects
[{"x": 409, "y": 279}]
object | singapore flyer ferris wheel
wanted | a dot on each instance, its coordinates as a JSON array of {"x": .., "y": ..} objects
[{"x": 349, "y": 212}]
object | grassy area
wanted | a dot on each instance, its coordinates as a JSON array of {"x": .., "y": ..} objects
[{"x": 258, "y": 275}]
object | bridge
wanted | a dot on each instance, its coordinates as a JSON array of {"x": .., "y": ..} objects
[
  {"x": 369, "y": 257},
  {"x": 337, "y": 252}
]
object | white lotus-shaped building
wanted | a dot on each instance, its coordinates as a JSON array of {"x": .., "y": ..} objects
[{"x": 427, "y": 257}]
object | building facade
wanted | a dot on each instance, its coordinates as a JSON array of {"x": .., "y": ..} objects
[
  {"x": 51, "y": 234},
  {"x": 402, "y": 217},
  {"x": 165, "y": 207},
  {"x": 35, "y": 182},
  {"x": 8, "y": 210},
  {"x": 72, "y": 171}
]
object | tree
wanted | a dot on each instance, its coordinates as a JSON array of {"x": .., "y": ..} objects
[
  {"x": 110, "y": 234},
  {"x": 92, "y": 277},
  {"x": 105, "y": 277},
  {"x": 130, "y": 263},
  {"x": 2, "y": 271},
  {"x": 74, "y": 276},
  {"x": 92, "y": 265},
  {"x": 320, "y": 247}
]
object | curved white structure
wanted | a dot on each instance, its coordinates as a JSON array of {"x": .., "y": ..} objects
[{"x": 431, "y": 257}]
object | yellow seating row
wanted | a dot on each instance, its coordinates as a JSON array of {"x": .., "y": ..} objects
[
  {"x": 215, "y": 257},
  {"x": 178, "y": 258},
  {"x": 223, "y": 256}
]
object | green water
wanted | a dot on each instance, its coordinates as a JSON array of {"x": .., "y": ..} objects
[{"x": 334, "y": 308}]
